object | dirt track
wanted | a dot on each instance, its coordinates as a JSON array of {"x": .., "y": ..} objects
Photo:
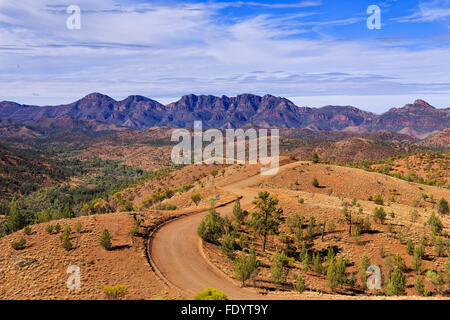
[{"x": 177, "y": 251}]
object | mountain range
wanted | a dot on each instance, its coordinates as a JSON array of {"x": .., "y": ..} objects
[{"x": 100, "y": 112}]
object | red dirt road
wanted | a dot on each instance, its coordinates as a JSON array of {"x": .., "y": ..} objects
[{"x": 177, "y": 252}]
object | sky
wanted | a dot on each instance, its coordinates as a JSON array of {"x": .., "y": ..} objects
[{"x": 314, "y": 52}]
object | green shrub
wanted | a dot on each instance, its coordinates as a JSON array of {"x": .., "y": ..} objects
[
  {"x": 211, "y": 227},
  {"x": 435, "y": 278},
  {"x": 66, "y": 233},
  {"x": 246, "y": 267},
  {"x": 443, "y": 206},
  {"x": 105, "y": 240},
  {"x": 317, "y": 264},
  {"x": 447, "y": 271},
  {"x": 378, "y": 199},
  {"x": 115, "y": 292},
  {"x": 363, "y": 266},
  {"x": 315, "y": 158},
  {"x": 66, "y": 244},
  {"x": 27, "y": 230},
  {"x": 49, "y": 229},
  {"x": 244, "y": 240},
  {"x": 211, "y": 294},
  {"x": 278, "y": 271},
  {"x": 78, "y": 226},
  {"x": 420, "y": 287},
  {"x": 410, "y": 247},
  {"x": 300, "y": 284},
  {"x": 379, "y": 215},
  {"x": 397, "y": 284},
  {"x": 19, "y": 245},
  {"x": 228, "y": 246},
  {"x": 435, "y": 224},
  {"x": 336, "y": 273},
  {"x": 196, "y": 198}
]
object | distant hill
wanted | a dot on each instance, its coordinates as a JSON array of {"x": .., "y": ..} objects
[
  {"x": 439, "y": 140},
  {"x": 137, "y": 112}
]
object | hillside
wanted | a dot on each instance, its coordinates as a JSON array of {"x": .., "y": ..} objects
[
  {"x": 439, "y": 140},
  {"x": 39, "y": 270}
]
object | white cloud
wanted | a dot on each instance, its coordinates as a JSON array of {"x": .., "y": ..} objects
[
  {"x": 429, "y": 11},
  {"x": 167, "y": 51}
]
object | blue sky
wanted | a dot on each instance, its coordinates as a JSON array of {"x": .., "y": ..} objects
[{"x": 315, "y": 52}]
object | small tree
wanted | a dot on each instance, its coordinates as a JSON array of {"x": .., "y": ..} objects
[
  {"x": 49, "y": 229},
  {"x": 246, "y": 267},
  {"x": 211, "y": 227},
  {"x": 447, "y": 271},
  {"x": 16, "y": 219},
  {"x": 378, "y": 199},
  {"x": 440, "y": 246},
  {"x": 266, "y": 219},
  {"x": 317, "y": 264},
  {"x": 379, "y": 215},
  {"x": 389, "y": 268},
  {"x": 363, "y": 266},
  {"x": 436, "y": 279},
  {"x": 238, "y": 213},
  {"x": 315, "y": 182},
  {"x": 105, "y": 240},
  {"x": 27, "y": 230},
  {"x": 228, "y": 246},
  {"x": 300, "y": 284},
  {"x": 443, "y": 206},
  {"x": 397, "y": 284},
  {"x": 336, "y": 273},
  {"x": 315, "y": 158},
  {"x": 66, "y": 244},
  {"x": 19, "y": 245},
  {"x": 435, "y": 224},
  {"x": 278, "y": 271},
  {"x": 196, "y": 198},
  {"x": 78, "y": 227},
  {"x": 410, "y": 247},
  {"x": 417, "y": 262},
  {"x": 211, "y": 294},
  {"x": 420, "y": 287}
]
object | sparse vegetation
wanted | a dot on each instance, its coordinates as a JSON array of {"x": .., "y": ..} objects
[
  {"x": 211, "y": 294},
  {"x": 105, "y": 240},
  {"x": 115, "y": 292}
]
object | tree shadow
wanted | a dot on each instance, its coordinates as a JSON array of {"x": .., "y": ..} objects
[{"x": 121, "y": 247}]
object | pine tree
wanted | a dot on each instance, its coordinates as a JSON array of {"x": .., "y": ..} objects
[
  {"x": 246, "y": 267},
  {"x": 16, "y": 219},
  {"x": 397, "y": 285},
  {"x": 363, "y": 266},
  {"x": 278, "y": 271},
  {"x": 267, "y": 218},
  {"x": 105, "y": 240},
  {"x": 410, "y": 247},
  {"x": 317, "y": 264}
]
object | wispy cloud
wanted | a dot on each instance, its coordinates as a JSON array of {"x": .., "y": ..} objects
[{"x": 429, "y": 11}]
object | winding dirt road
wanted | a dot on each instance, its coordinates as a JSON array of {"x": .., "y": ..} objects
[{"x": 176, "y": 250}]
